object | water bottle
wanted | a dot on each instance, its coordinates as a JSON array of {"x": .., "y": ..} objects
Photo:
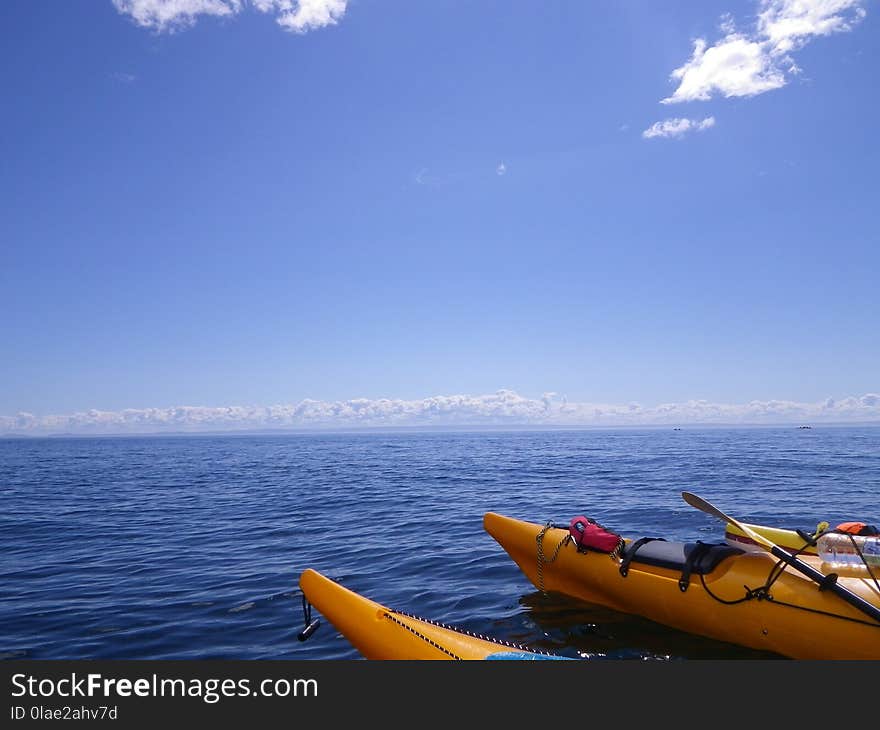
[
  {"x": 838, "y": 549},
  {"x": 871, "y": 550},
  {"x": 838, "y": 553}
]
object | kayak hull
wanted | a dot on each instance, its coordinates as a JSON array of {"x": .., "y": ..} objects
[
  {"x": 793, "y": 618},
  {"x": 379, "y": 632}
]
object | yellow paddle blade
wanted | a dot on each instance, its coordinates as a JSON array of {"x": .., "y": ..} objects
[{"x": 704, "y": 506}]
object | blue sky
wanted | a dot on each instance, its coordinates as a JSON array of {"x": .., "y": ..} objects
[{"x": 242, "y": 204}]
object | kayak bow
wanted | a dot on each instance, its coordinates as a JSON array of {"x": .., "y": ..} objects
[{"x": 379, "y": 632}]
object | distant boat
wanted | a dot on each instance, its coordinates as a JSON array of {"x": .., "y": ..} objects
[
  {"x": 676, "y": 429},
  {"x": 804, "y": 426}
]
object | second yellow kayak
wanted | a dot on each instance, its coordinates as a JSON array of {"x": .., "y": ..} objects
[{"x": 788, "y": 539}]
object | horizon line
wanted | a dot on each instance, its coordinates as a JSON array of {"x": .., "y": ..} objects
[{"x": 460, "y": 428}]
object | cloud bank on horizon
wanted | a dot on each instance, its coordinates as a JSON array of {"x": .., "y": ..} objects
[
  {"x": 502, "y": 408},
  {"x": 297, "y": 16},
  {"x": 758, "y": 60}
]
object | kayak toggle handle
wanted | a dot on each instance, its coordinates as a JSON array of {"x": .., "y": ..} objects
[
  {"x": 309, "y": 630},
  {"x": 310, "y": 626}
]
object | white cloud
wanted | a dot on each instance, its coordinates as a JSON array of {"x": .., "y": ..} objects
[
  {"x": 169, "y": 15},
  {"x": 298, "y": 16},
  {"x": 501, "y": 169},
  {"x": 789, "y": 24},
  {"x": 734, "y": 67},
  {"x": 505, "y": 407},
  {"x": 746, "y": 64},
  {"x": 303, "y": 15},
  {"x": 677, "y": 127}
]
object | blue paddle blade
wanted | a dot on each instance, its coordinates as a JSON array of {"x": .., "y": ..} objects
[{"x": 525, "y": 655}]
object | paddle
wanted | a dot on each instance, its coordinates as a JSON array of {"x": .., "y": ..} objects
[{"x": 825, "y": 582}]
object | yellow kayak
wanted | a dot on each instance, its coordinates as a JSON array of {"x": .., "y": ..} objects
[
  {"x": 379, "y": 632},
  {"x": 742, "y": 596},
  {"x": 788, "y": 539}
]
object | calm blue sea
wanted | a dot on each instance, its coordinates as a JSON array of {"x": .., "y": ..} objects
[{"x": 190, "y": 547}]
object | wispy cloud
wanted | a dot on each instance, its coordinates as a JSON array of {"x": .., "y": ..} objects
[
  {"x": 743, "y": 64},
  {"x": 505, "y": 407},
  {"x": 123, "y": 78},
  {"x": 677, "y": 127},
  {"x": 425, "y": 177},
  {"x": 298, "y": 16},
  {"x": 501, "y": 169}
]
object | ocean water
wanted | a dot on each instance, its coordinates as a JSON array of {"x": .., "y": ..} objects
[{"x": 190, "y": 547}]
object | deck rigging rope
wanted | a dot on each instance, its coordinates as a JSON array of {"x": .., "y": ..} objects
[
  {"x": 762, "y": 593},
  {"x": 392, "y": 616},
  {"x": 542, "y": 559}
]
